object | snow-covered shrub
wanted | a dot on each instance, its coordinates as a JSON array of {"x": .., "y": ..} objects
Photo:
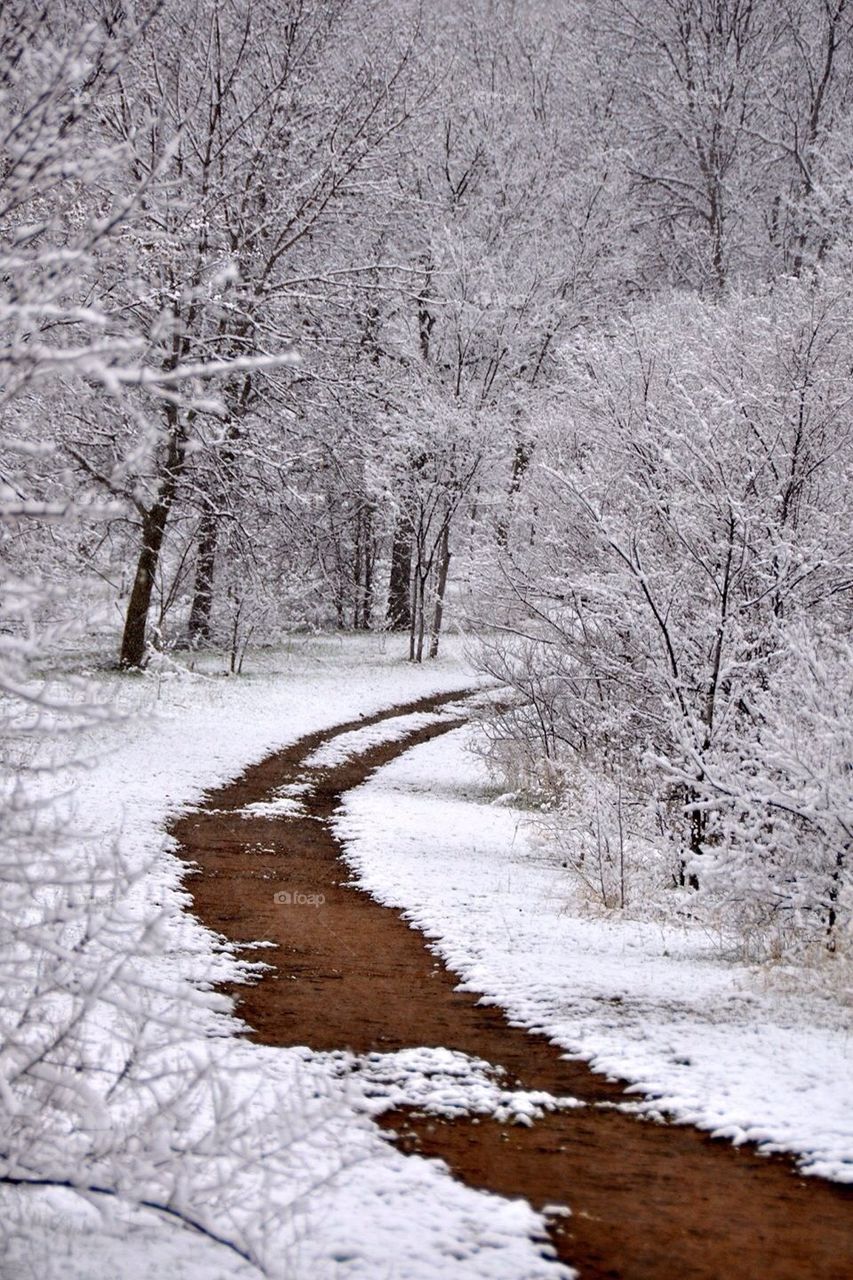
[
  {"x": 780, "y": 800},
  {"x": 673, "y": 622}
]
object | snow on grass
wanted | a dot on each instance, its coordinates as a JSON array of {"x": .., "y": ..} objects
[
  {"x": 330, "y": 1199},
  {"x": 57, "y": 1233},
  {"x": 443, "y": 1082},
  {"x": 352, "y": 1207},
  {"x": 708, "y": 1040},
  {"x": 347, "y": 745},
  {"x": 186, "y": 734},
  {"x": 279, "y": 807}
]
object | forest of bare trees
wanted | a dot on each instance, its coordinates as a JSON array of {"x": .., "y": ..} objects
[
  {"x": 315, "y": 313},
  {"x": 529, "y": 319},
  {"x": 535, "y": 317}
]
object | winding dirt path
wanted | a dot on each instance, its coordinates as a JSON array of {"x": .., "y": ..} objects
[{"x": 648, "y": 1201}]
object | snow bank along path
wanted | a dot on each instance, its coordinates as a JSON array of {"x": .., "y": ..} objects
[
  {"x": 322, "y": 1196},
  {"x": 709, "y": 1041},
  {"x": 624, "y": 1195}
]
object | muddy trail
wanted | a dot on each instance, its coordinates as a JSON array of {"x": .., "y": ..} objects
[{"x": 648, "y": 1201}]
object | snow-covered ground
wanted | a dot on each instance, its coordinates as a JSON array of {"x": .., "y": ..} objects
[
  {"x": 330, "y": 1199},
  {"x": 712, "y": 1042}
]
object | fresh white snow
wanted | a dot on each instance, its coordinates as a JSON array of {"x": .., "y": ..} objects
[
  {"x": 444, "y": 1082},
  {"x": 712, "y": 1042},
  {"x": 346, "y": 745},
  {"x": 330, "y": 1200},
  {"x": 708, "y": 1040}
]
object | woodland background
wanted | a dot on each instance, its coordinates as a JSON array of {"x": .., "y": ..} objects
[{"x": 350, "y": 315}]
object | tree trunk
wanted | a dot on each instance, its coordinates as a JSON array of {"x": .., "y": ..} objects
[
  {"x": 364, "y": 555},
  {"x": 399, "y": 614},
  {"x": 441, "y": 587},
  {"x": 153, "y": 532},
  {"x": 697, "y": 823},
  {"x": 369, "y": 564},
  {"x": 136, "y": 620},
  {"x": 216, "y": 500},
  {"x": 834, "y": 893},
  {"x": 418, "y": 624},
  {"x": 420, "y": 619},
  {"x": 198, "y": 626},
  {"x": 357, "y": 572},
  {"x": 520, "y": 463}
]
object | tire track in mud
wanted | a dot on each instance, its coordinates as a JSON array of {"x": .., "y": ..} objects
[{"x": 648, "y": 1201}]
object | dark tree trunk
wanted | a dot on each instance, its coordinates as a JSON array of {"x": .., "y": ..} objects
[
  {"x": 369, "y": 562},
  {"x": 417, "y": 611},
  {"x": 154, "y": 523},
  {"x": 418, "y": 624},
  {"x": 136, "y": 619},
  {"x": 399, "y": 615},
  {"x": 520, "y": 463},
  {"x": 198, "y": 626},
  {"x": 441, "y": 587},
  {"x": 216, "y": 501},
  {"x": 357, "y": 573},
  {"x": 426, "y": 319},
  {"x": 834, "y": 893},
  {"x": 698, "y": 822},
  {"x": 364, "y": 556}
]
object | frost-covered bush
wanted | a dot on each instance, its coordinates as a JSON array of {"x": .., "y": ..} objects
[
  {"x": 680, "y": 622},
  {"x": 780, "y": 800}
]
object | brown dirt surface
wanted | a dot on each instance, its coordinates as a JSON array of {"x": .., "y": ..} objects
[{"x": 648, "y": 1201}]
